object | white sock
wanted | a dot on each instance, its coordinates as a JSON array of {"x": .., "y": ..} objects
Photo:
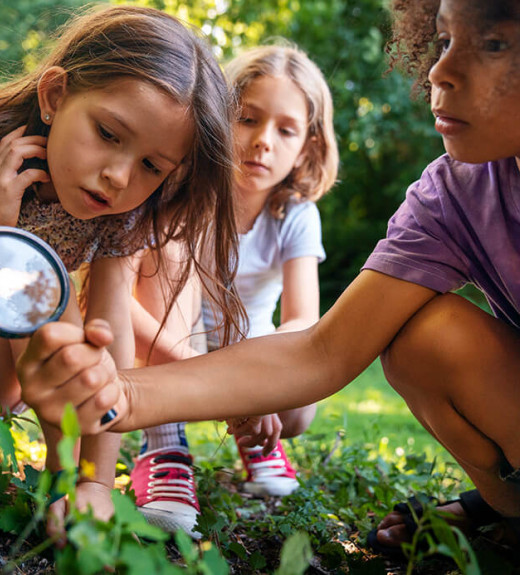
[{"x": 166, "y": 437}]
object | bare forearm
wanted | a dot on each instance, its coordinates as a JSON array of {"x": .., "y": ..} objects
[
  {"x": 282, "y": 371},
  {"x": 295, "y": 325},
  {"x": 259, "y": 376},
  {"x": 249, "y": 373}
]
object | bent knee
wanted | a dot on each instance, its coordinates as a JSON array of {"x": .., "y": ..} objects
[
  {"x": 296, "y": 421},
  {"x": 449, "y": 336}
]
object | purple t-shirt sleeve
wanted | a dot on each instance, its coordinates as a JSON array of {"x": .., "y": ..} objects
[
  {"x": 460, "y": 223},
  {"x": 419, "y": 246}
]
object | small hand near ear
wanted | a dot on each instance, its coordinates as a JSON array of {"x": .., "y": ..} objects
[{"x": 14, "y": 149}]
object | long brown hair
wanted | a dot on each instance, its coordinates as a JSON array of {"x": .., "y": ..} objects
[
  {"x": 318, "y": 171},
  {"x": 103, "y": 44}
]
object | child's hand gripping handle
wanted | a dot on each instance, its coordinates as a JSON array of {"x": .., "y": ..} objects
[{"x": 64, "y": 363}]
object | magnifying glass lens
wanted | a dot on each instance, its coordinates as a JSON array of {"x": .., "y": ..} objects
[{"x": 34, "y": 285}]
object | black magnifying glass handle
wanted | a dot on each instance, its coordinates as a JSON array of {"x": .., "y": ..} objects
[{"x": 109, "y": 416}]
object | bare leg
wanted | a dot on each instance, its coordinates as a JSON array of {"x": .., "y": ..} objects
[
  {"x": 457, "y": 368},
  {"x": 296, "y": 421},
  {"x": 151, "y": 291}
]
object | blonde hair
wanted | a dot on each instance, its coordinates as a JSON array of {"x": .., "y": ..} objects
[
  {"x": 195, "y": 210},
  {"x": 317, "y": 173}
]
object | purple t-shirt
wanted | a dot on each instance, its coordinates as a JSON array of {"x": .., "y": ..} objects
[{"x": 460, "y": 223}]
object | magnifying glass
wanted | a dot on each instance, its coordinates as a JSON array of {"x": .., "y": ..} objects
[{"x": 34, "y": 286}]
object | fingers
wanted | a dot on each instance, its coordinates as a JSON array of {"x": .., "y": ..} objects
[
  {"x": 47, "y": 341},
  {"x": 8, "y": 139},
  {"x": 64, "y": 363},
  {"x": 82, "y": 370},
  {"x": 98, "y": 332},
  {"x": 393, "y": 536},
  {"x": 274, "y": 435},
  {"x": 14, "y": 149},
  {"x": 56, "y": 522},
  {"x": 393, "y": 518},
  {"x": 109, "y": 399},
  {"x": 264, "y": 431},
  {"x": 251, "y": 426},
  {"x": 71, "y": 354},
  {"x": 59, "y": 366},
  {"x": 30, "y": 176},
  {"x": 237, "y": 424},
  {"x": 15, "y": 146},
  {"x": 56, "y": 354}
]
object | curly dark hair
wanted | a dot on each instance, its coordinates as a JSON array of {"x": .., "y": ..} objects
[{"x": 413, "y": 47}]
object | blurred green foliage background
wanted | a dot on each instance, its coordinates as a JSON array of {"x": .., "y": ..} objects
[{"x": 385, "y": 137}]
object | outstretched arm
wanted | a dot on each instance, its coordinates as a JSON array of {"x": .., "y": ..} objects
[{"x": 254, "y": 377}]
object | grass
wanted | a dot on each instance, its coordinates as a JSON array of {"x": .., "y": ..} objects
[{"x": 368, "y": 410}]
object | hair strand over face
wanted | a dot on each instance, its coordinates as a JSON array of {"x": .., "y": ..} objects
[{"x": 194, "y": 209}]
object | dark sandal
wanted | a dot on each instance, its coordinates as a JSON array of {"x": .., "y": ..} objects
[
  {"x": 477, "y": 510},
  {"x": 409, "y": 521},
  {"x": 481, "y": 514}
]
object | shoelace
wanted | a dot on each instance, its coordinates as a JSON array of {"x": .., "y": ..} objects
[
  {"x": 270, "y": 466},
  {"x": 172, "y": 477}
]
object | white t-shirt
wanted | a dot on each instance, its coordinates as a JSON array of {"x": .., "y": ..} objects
[{"x": 262, "y": 253}]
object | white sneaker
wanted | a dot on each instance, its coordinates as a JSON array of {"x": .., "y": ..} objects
[
  {"x": 165, "y": 490},
  {"x": 271, "y": 475}
]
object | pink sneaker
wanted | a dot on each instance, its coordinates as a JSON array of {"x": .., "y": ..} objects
[
  {"x": 271, "y": 475},
  {"x": 165, "y": 489}
]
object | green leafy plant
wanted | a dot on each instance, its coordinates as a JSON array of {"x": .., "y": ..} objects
[
  {"x": 323, "y": 525},
  {"x": 435, "y": 536},
  {"x": 124, "y": 544}
]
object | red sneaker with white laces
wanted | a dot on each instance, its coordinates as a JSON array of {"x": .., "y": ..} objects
[
  {"x": 271, "y": 475},
  {"x": 165, "y": 489}
]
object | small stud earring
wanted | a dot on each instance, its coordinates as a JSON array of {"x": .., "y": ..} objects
[{"x": 47, "y": 117}]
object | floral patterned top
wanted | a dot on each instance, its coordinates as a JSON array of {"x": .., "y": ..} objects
[{"x": 79, "y": 241}]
